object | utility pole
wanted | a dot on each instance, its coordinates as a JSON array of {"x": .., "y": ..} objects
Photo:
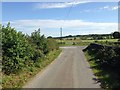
[{"x": 61, "y": 34}]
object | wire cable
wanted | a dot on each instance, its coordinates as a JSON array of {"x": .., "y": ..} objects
[{"x": 67, "y": 15}]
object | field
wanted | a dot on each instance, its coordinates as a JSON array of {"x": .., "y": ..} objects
[{"x": 79, "y": 42}]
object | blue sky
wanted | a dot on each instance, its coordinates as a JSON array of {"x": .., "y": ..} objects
[{"x": 74, "y": 17}]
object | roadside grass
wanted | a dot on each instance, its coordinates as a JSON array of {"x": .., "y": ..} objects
[
  {"x": 91, "y": 62},
  {"x": 105, "y": 74},
  {"x": 97, "y": 72},
  {"x": 18, "y": 80}
]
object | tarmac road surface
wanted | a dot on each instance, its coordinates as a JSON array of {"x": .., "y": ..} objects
[{"x": 69, "y": 70}]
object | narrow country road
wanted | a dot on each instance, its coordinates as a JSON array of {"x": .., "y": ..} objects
[{"x": 69, "y": 70}]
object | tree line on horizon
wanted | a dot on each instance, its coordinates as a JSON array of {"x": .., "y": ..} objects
[{"x": 114, "y": 35}]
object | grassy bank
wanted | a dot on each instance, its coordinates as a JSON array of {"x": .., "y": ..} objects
[
  {"x": 91, "y": 62},
  {"x": 104, "y": 61},
  {"x": 19, "y": 79}
]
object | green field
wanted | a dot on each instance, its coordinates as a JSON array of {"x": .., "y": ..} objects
[{"x": 78, "y": 42}]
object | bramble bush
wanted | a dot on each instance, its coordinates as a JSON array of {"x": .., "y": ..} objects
[
  {"x": 107, "y": 60},
  {"x": 20, "y": 50}
]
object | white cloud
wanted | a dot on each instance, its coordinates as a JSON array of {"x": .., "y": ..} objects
[
  {"x": 58, "y": 0},
  {"x": 109, "y": 8},
  {"x": 114, "y": 8},
  {"x": 49, "y": 23},
  {"x": 106, "y": 7},
  {"x": 57, "y": 5},
  {"x": 49, "y": 5},
  {"x": 70, "y": 26}
]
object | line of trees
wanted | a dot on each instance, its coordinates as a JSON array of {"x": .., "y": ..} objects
[
  {"x": 115, "y": 35},
  {"x": 90, "y": 36},
  {"x": 20, "y": 50}
]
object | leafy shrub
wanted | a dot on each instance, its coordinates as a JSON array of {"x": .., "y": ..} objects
[
  {"x": 20, "y": 51},
  {"x": 52, "y": 45},
  {"x": 15, "y": 50},
  {"x": 107, "y": 60}
]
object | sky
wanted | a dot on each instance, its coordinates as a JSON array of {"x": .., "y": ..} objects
[{"x": 76, "y": 17}]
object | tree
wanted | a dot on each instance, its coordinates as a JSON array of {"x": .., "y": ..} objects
[
  {"x": 116, "y": 35},
  {"x": 49, "y": 37}
]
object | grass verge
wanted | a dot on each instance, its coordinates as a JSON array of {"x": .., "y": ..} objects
[
  {"x": 92, "y": 62},
  {"x": 18, "y": 80},
  {"x": 106, "y": 78}
]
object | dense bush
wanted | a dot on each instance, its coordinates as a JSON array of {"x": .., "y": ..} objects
[
  {"x": 52, "y": 44},
  {"x": 116, "y": 35},
  {"x": 107, "y": 60},
  {"x": 19, "y": 50}
]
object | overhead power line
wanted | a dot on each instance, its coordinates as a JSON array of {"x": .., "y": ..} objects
[
  {"x": 66, "y": 17},
  {"x": 68, "y": 14}
]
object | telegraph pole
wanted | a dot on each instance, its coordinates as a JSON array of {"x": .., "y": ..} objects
[{"x": 61, "y": 34}]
